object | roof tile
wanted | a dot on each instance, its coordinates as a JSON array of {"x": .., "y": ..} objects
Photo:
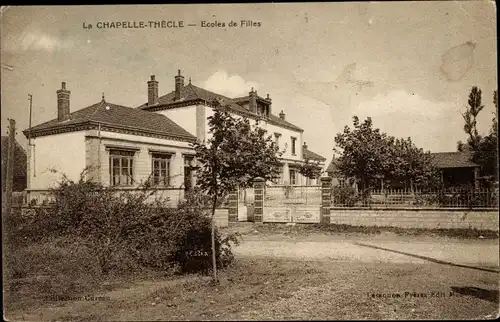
[
  {"x": 118, "y": 115},
  {"x": 453, "y": 159},
  {"x": 308, "y": 154},
  {"x": 191, "y": 92}
]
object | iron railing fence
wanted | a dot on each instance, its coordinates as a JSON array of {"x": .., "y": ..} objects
[
  {"x": 403, "y": 198},
  {"x": 279, "y": 195}
]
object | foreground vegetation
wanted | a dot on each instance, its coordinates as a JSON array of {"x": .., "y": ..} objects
[
  {"x": 262, "y": 289},
  {"x": 93, "y": 234}
]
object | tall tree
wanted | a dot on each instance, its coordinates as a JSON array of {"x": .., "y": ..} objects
[
  {"x": 369, "y": 156},
  {"x": 235, "y": 154},
  {"x": 310, "y": 169},
  {"x": 486, "y": 152},
  {"x": 411, "y": 166},
  {"x": 364, "y": 152},
  {"x": 472, "y": 111}
]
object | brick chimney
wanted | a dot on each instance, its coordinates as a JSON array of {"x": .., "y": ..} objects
[
  {"x": 63, "y": 103},
  {"x": 179, "y": 83},
  {"x": 282, "y": 115},
  {"x": 253, "y": 101},
  {"x": 152, "y": 91},
  {"x": 268, "y": 99}
]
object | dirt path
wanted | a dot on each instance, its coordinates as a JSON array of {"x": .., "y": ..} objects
[
  {"x": 377, "y": 249},
  {"x": 341, "y": 271}
]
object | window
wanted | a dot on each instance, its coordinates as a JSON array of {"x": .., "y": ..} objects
[
  {"x": 279, "y": 178},
  {"x": 293, "y": 177},
  {"x": 121, "y": 167},
  {"x": 293, "y": 145},
  {"x": 277, "y": 137},
  {"x": 188, "y": 172},
  {"x": 161, "y": 169}
]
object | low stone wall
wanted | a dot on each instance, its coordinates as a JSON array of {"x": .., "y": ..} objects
[
  {"x": 221, "y": 216},
  {"x": 487, "y": 219}
]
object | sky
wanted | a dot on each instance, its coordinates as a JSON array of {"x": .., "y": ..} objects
[{"x": 408, "y": 65}]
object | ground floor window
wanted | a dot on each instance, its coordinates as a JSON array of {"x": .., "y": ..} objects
[
  {"x": 161, "y": 169},
  {"x": 279, "y": 177},
  {"x": 188, "y": 172},
  {"x": 293, "y": 177},
  {"x": 121, "y": 165}
]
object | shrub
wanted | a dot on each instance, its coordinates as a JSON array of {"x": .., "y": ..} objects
[
  {"x": 345, "y": 196},
  {"x": 37, "y": 225},
  {"x": 125, "y": 231}
]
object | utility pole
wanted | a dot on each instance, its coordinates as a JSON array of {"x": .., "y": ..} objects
[
  {"x": 29, "y": 130},
  {"x": 10, "y": 166}
]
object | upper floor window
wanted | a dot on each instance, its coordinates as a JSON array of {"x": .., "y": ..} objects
[
  {"x": 121, "y": 165},
  {"x": 294, "y": 140},
  {"x": 263, "y": 110},
  {"x": 277, "y": 137},
  {"x": 161, "y": 169}
]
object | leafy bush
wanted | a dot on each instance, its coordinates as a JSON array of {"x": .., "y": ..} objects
[
  {"x": 37, "y": 225},
  {"x": 124, "y": 231},
  {"x": 345, "y": 196}
]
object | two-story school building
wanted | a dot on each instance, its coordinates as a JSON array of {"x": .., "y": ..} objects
[
  {"x": 123, "y": 146},
  {"x": 190, "y": 106}
]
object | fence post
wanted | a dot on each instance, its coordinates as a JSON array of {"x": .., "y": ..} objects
[
  {"x": 326, "y": 200},
  {"x": 258, "y": 186},
  {"x": 11, "y": 148},
  {"x": 233, "y": 206}
]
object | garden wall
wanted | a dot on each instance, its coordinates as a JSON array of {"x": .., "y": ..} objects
[
  {"x": 221, "y": 216},
  {"x": 417, "y": 218}
]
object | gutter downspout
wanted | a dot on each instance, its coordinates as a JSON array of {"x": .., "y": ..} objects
[{"x": 99, "y": 153}]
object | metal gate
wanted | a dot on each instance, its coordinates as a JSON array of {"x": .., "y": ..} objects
[
  {"x": 245, "y": 204},
  {"x": 299, "y": 204}
]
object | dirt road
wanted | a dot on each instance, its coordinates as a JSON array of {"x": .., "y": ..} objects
[
  {"x": 312, "y": 276},
  {"x": 389, "y": 249}
]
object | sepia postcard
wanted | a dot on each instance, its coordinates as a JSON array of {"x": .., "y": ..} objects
[{"x": 258, "y": 161}]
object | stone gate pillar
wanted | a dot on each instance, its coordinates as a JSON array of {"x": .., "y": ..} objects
[
  {"x": 326, "y": 200},
  {"x": 233, "y": 206},
  {"x": 258, "y": 186}
]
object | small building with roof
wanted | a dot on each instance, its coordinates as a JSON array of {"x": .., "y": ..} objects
[
  {"x": 457, "y": 168},
  {"x": 117, "y": 145}
]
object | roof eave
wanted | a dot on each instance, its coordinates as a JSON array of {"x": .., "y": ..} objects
[
  {"x": 189, "y": 138},
  {"x": 85, "y": 125}
]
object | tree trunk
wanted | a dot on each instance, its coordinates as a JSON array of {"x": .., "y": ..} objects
[{"x": 214, "y": 261}]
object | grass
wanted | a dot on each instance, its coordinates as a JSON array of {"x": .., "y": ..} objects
[
  {"x": 286, "y": 290},
  {"x": 306, "y": 229},
  {"x": 279, "y": 289},
  {"x": 37, "y": 271}
]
